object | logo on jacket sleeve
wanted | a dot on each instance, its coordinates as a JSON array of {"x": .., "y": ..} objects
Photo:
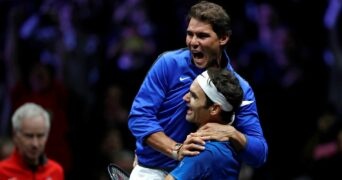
[
  {"x": 245, "y": 103},
  {"x": 184, "y": 78}
]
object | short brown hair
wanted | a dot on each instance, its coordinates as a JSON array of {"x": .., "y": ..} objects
[{"x": 214, "y": 14}]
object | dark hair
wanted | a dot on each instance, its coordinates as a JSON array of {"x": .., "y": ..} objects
[
  {"x": 226, "y": 83},
  {"x": 214, "y": 14}
]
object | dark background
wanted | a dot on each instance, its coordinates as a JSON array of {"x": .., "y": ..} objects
[{"x": 95, "y": 58}]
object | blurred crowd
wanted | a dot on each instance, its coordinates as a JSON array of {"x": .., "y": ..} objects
[{"x": 84, "y": 60}]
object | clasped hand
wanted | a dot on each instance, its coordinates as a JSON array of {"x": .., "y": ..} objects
[{"x": 195, "y": 142}]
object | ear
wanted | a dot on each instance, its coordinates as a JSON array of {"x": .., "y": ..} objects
[
  {"x": 224, "y": 40},
  {"x": 215, "y": 109}
]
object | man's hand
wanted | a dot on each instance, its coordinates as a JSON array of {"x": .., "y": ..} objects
[
  {"x": 192, "y": 146},
  {"x": 220, "y": 132},
  {"x": 215, "y": 131},
  {"x": 195, "y": 142}
]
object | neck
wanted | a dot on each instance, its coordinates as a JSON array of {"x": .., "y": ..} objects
[
  {"x": 215, "y": 119},
  {"x": 33, "y": 164}
]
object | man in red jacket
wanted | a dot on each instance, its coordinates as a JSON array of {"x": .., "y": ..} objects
[{"x": 31, "y": 126}]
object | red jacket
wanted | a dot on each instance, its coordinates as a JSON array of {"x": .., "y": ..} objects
[{"x": 13, "y": 168}]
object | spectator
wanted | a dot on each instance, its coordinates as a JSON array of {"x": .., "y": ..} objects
[
  {"x": 43, "y": 88},
  {"x": 31, "y": 127}
]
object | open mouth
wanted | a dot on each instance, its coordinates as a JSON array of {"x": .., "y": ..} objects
[
  {"x": 189, "y": 111},
  {"x": 198, "y": 58},
  {"x": 197, "y": 55}
]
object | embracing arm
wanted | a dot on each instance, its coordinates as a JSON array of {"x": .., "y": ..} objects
[
  {"x": 255, "y": 150},
  {"x": 149, "y": 118},
  {"x": 222, "y": 132},
  {"x": 162, "y": 143},
  {"x": 246, "y": 134},
  {"x": 252, "y": 149}
]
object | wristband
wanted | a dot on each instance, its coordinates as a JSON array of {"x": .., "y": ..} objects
[{"x": 175, "y": 151}]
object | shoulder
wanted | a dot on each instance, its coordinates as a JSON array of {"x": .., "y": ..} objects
[
  {"x": 214, "y": 150},
  {"x": 10, "y": 168},
  {"x": 218, "y": 146},
  {"x": 221, "y": 153},
  {"x": 215, "y": 154},
  {"x": 3, "y": 163},
  {"x": 169, "y": 61},
  {"x": 9, "y": 162},
  {"x": 175, "y": 55},
  {"x": 55, "y": 166},
  {"x": 243, "y": 82},
  {"x": 246, "y": 87}
]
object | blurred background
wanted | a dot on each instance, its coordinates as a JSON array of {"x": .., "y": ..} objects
[{"x": 84, "y": 60}]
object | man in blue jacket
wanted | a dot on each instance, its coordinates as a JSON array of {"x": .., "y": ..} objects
[
  {"x": 214, "y": 97},
  {"x": 157, "y": 117}
]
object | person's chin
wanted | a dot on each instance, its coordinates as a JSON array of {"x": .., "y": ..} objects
[
  {"x": 188, "y": 118},
  {"x": 200, "y": 65},
  {"x": 33, "y": 156},
  {"x": 200, "y": 62},
  {"x": 31, "y": 160}
]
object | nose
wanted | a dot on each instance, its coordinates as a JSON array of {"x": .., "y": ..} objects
[
  {"x": 35, "y": 141},
  {"x": 186, "y": 97},
  {"x": 193, "y": 41}
]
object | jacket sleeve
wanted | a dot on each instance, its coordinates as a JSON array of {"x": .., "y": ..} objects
[
  {"x": 256, "y": 149},
  {"x": 143, "y": 120}
]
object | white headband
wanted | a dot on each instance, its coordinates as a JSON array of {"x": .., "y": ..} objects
[{"x": 210, "y": 90}]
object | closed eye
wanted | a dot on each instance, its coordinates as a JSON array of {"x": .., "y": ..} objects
[{"x": 193, "y": 95}]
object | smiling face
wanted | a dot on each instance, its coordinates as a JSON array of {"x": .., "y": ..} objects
[
  {"x": 198, "y": 112},
  {"x": 204, "y": 44},
  {"x": 31, "y": 138}
]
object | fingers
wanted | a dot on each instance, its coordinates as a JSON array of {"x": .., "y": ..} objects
[
  {"x": 219, "y": 135},
  {"x": 202, "y": 135},
  {"x": 192, "y": 146},
  {"x": 190, "y": 150},
  {"x": 213, "y": 127},
  {"x": 188, "y": 153},
  {"x": 194, "y": 138}
]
